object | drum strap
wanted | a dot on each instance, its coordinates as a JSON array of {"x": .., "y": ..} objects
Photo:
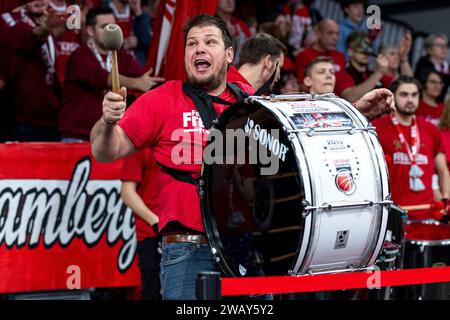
[{"x": 204, "y": 104}]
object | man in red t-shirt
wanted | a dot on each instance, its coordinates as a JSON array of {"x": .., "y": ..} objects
[
  {"x": 88, "y": 77},
  {"x": 327, "y": 39},
  {"x": 353, "y": 82},
  {"x": 413, "y": 149},
  {"x": 261, "y": 56},
  {"x": 166, "y": 116},
  {"x": 429, "y": 108},
  {"x": 140, "y": 193}
]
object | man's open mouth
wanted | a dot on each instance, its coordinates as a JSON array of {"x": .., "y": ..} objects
[{"x": 201, "y": 64}]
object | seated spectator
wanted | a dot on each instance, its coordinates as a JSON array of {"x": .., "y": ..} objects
[
  {"x": 355, "y": 80},
  {"x": 398, "y": 57},
  {"x": 238, "y": 28},
  {"x": 429, "y": 108},
  {"x": 327, "y": 35},
  {"x": 411, "y": 166},
  {"x": 262, "y": 56},
  {"x": 88, "y": 77},
  {"x": 354, "y": 21},
  {"x": 287, "y": 84},
  {"x": 436, "y": 46},
  {"x": 320, "y": 76},
  {"x": 35, "y": 94}
]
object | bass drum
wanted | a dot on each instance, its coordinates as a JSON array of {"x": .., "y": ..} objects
[{"x": 294, "y": 184}]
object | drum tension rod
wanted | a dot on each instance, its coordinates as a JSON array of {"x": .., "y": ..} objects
[
  {"x": 327, "y": 206},
  {"x": 350, "y": 130}
]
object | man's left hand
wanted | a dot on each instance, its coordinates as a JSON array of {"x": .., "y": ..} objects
[{"x": 376, "y": 102}]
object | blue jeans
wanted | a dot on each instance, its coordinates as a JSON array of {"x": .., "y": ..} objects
[{"x": 180, "y": 263}]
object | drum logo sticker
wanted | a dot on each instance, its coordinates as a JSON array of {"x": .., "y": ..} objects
[
  {"x": 341, "y": 239},
  {"x": 345, "y": 182}
]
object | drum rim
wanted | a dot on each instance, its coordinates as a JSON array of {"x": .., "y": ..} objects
[{"x": 427, "y": 242}]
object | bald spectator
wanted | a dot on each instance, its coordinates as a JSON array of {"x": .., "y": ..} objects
[
  {"x": 238, "y": 28},
  {"x": 327, "y": 39},
  {"x": 356, "y": 80},
  {"x": 436, "y": 46},
  {"x": 261, "y": 57}
]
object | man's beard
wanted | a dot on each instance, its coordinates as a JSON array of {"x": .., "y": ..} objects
[
  {"x": 406, "y": 113},
  {"x": 210, "y": 83}
]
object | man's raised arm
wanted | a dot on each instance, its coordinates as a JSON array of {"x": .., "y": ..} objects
[{"x": 108, "y": 141}]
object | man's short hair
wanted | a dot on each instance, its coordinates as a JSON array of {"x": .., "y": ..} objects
[
  {"x": 91, "y": 17},
  {"x": 431, "y": 39},
  {"x": 310, "y": 66},
  {"x": 403, "y": 80},
  {"x": 259, "y": 46},
  {"x": 204, "y": 20}
]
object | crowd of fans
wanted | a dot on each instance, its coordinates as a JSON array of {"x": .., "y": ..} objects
[{"x": 52, "y": 79}]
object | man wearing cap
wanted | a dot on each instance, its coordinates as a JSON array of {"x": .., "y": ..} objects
[{"x": 353, "y": 82}]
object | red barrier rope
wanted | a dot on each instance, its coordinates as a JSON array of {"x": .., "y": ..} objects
[{"x": 329, "y": 282}]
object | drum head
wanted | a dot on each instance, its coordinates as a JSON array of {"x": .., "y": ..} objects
[{"x": 253, "y": 220}]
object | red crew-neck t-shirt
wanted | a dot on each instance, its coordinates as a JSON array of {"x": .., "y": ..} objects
[
  {"x": 399, "y": 163},
  {"x": 166, "y": 120}
]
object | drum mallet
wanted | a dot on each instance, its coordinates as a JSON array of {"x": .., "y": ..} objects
[
  {"x": 437, "y": 209},
  {"x": 113, "y": 39}
]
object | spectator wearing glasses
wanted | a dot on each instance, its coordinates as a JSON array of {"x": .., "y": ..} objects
[
  {"x": 436, "y": 46},
  {"x": 429, "y": 107}
]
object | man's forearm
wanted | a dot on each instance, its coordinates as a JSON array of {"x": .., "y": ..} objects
[
  {"x": 358, "y": 91},
  {"x": 132, "y": 199},
  {"x": 105, "y": 141}
]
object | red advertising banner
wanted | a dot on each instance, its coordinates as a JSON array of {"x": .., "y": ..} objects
[{"x": 62, "y": 222}]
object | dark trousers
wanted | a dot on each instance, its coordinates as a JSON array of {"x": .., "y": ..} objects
[{"x": 149, "y": 259}]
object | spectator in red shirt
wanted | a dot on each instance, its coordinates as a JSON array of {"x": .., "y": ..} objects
[
  {"x": 140, "y": 193},
  {"x": 301, "y": 22},
  {"x": 34, "y": 89},
  {"x": 429, "y": 108},
  {"x": 353, "y": 82},
  {"x": 88, "y": 77},
  {"x": 444, "y": 126},
  {"x": 414, "y": 147},
  {"x": 275, "y": 31},
  {"x": 261, "y": 56},
  {"x": 327, "y": 36},
  {"x": 151, "y": 122},
  {"x": 239, "y": 29},
  {"x": 66, "y": 43}
]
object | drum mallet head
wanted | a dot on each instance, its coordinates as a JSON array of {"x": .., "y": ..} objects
[{"x": 112, "y": 37}]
